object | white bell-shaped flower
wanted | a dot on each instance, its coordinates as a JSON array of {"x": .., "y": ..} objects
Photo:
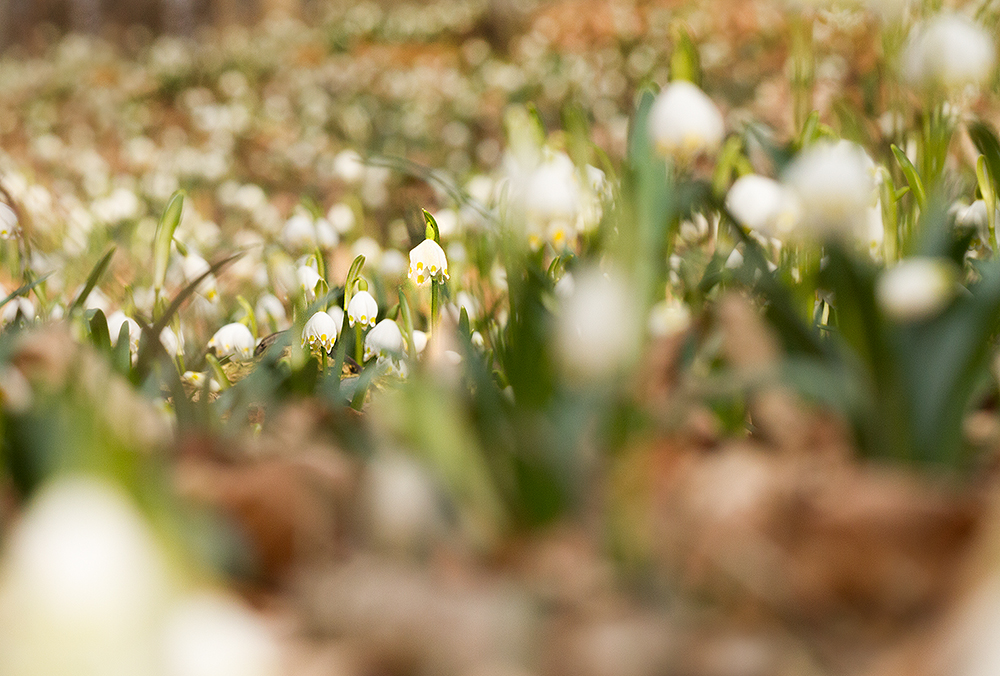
[
  {"x": 763, "y": 205},
  {"x": 320, "y": 332},
  {"x": 949, "y": 51},
  {"x": 427, "y": 262},
  {"x": 233, "y": 340},
  {"x": 385, "y": 340},
  {"x": 835, "y": 187},
  {"x": 684, "y": 122},
  {"x": 362, "y": 309},
  {"x": 917, "y": 288}
]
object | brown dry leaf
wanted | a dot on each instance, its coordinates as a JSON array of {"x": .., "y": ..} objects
[{"x": 812, "y": 540}]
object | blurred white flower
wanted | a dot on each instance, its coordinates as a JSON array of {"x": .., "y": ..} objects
[
  {"x": 684, "y": 122},
  {"x": 8, "y": 222},
  {"x": 211, "y": 634},
  {"x": 320, "y": 331},
  {"x": 763, "y": 205},
  {"x": 194, "y": 266},
  {"x": 337, "y": 314},
  {"x": 341, "y": 216},
  {"x": 419, "y": 341},
  {"x": 917, "y": 288},
  {"x": 949, "y": 51},
  {"x": 362, "y": 309},
  {"x": 385, "y": 340},
  {"x": 427, "y": 262},
  {"x": 552, "y": 201},
  {"x": 668, "y": 318},
  {"x": 18, "y": 306},
  {"x": 198, "y": 380},
  {"x": 308, "y": 279},
  {"x": 835, "y": 187},
  {"x": 116, "y": 320},
  {"x": 172, "y": 342},
  {"x": 299, "y": 233},
  {"x": 82, "y": 585},
  {"x": 271, "y": 311},
  {"x": 348, "y": 166},
  {"x": 597, "y": 329},
  {"x": 233, "y": 340},
  {"x": 402, "y": 505}
]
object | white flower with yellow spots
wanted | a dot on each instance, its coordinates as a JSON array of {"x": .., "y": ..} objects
[
  {"x": 233, "y": 340},
  {"x": 362, "y": 309},
  {"x": 427, "y": 262},
  {"x": 684, "y": 123},
  {"x": 320, "y": 331}
]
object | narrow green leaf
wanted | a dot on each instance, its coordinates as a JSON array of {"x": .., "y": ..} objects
[
  {"x": 432, "y": 226},
  {"x": 217, "y": 371},
  {"x": 92, "y": 279},
  {"x": 912, "y": 176},
  {"x": 987, "y": 188},
  {"x": 100, "y": 336},
  {"x": 685, "y": 62},
  {"x": 121, "y": 353},
  {"x": 251, "y": 316},
  {"x": 164, "y": 236},
  {"x": 352, "y": 275},
  {"x": 407, "y": 318}
]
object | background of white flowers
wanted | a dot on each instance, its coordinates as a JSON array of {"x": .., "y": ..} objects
[{"x": 702, "y": 380}]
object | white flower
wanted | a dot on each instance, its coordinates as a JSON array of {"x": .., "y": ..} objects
[
  {"x": 552, "y": 201},
  {"x": 8, "y": 222},
  {"x": 385, "y": 340},
  {"x": 210, "y": 634},
  {"x": 949, "y": 51},
  {"x": 197, "y": 380},
  {"x": 427, "y": 262},
  {"x": 362, "y": 309},
  {"x": 669, "y": 318},
  {"x": 270, "y": 309},
  {"x": 763, "y": 205},
  {"x": 299, "y": 232},
  {"x": 917, "y": 288},
  {"x": 597, "y": 328},
  {"x": 308, "y": 279},
  {"x": 835, "y": 187},
  {"x": 115, "y": 322},
  {"x": 419, "y": 341},
  {"x": 172, "y": 342},
  {"x": 320, "y": 331},
  {"x": 193, "y": 267},
  {"x": 233, "y": 340},
  {"x": 337, "y": 314},
  {"x": 684, "y": 122},
  {"x": 18, "y": 305},
  {"x": 82, "y": 585}
]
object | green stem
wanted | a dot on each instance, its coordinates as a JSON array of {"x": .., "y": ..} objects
[
  {"x": 435, "y": 303},
  {"x": 359, "y": 344}
]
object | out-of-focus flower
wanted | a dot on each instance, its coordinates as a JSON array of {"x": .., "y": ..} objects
[
  {"x": 684, "y": 122},
  {"x": 271, "y": 310},
  {"x": 669, "y": 317},
  {"x": 949, "y": 51},
  {"x": 337, "y": 314},
  {"x": 552, "y": 201},
  {"x": 348, "y": 166},
  {"x": 18, "y": 306},
  {"x": 211, "y": 634},
  {"x": 193, "y": 267},
  {"x": 320, "y": 331},
  {"x": 308, "y": 279},
  {"x": 8, "y": 222},
  {"x": 362, "y": 309},
  {"x": 385, "y": 340},
  {"x": 597, "y": 329},
  {"x": 763, "y": 205},
  {"x": 835, "y": 187},
  {"x": 233, "y": 340},
  {"x": 197, "y": 380},
  {"x": 116, "y": 320},
  {"x": 428, "y": 262},
  {"x": 172, "y": 342},
  {"x": 402, "y": 504},
  {"x": 82, "y": 585},
  {"x": 917, "y": 288}
]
